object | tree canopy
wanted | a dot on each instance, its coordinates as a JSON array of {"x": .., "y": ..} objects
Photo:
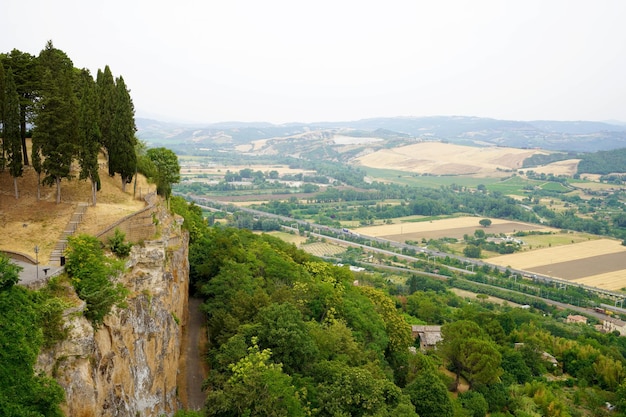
[
  {"x": 73, "y": 117},
  {"x": 164, "y": 170}
]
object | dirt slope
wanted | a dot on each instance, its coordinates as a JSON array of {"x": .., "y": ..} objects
[{"x": 27, "y": 223}]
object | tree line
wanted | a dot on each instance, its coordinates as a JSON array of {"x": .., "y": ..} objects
[{"x": 73, "y": 118}]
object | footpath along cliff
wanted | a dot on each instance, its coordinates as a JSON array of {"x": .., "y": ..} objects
[{"x": 129, "y": 365}]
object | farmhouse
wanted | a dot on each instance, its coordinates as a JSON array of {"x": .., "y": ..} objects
[
  {"x": 576, "y": 318},
  {"x": 429, "y": 336},
  {"x": 611, "y": 325}
]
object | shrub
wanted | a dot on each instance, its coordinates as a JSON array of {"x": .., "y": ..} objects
[
  {"x": 117, "y": 245},
  {"x": 91, "y": 272}
]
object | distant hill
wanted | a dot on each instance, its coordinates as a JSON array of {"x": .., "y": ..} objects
[{"x": 577, "y": 136}]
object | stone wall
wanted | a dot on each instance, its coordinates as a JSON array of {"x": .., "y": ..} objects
[{"x": 137, "y": 226}]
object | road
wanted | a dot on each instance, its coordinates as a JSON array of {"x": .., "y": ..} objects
[{"x": 195, "y": 364}]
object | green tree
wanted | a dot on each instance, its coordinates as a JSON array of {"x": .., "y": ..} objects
[
  {"x": 480, "y": 361},
  {"x": 166, "y": 170},
  {"x": 9, "y": 272},
  {"x": 469, "y": 351},
  {"x": 485, "y": 222},
  {"x": 122, "y": 141},
  {"x": 56, "y": 125},
  {"x": 27, "y": 81},
  {"x": 11, "y": 130},
  {"x": 22, "y": 392},
  {"x": 429, "y": 395},
  {"x": 2, "y": 106},
  {"x": 479, "y": 234},
  {"x": 281, "y": 329},
  {"x": 343, "y": 390},
  {"x": 117, "y": 245},
  {"x": 91, "y": 273},
  {"x": 472, "y": 251},
  {"x": 257, "y": 387},
  {"x": 144, "y": 164},
  {"x": 105, "y": 86},
  {"x": 474, "y": 403},
  {"x": 89, "y": 133}
]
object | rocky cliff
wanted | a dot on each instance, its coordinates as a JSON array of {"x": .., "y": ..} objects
[{"x": 129, "y": 365}]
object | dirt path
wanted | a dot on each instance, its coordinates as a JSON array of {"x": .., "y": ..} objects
[{"x": 195, "y": 365}]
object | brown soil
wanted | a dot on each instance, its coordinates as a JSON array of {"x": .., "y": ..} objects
[{"x": 27, "y": 223}]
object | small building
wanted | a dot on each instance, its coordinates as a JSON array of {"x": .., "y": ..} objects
[
  {"x": 611, "y": 324},
  {"x": 576, "y": 318},
  {"x": 429, "y": 336}
]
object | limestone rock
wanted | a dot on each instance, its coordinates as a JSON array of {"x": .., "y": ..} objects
[{"x": 129, "y": 366}]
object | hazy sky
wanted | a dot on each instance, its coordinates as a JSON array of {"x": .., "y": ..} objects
[{"x": 289, "y": 61}]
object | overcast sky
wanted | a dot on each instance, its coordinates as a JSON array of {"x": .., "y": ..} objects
[{"x": 322, "y": 60}]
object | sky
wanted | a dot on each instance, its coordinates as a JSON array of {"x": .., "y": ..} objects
[{"x": 285, "y": 61}]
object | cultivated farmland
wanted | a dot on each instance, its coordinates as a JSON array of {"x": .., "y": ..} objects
[
  {"x": 600, "y": 263},
  {"x": 455, "y": 228}
]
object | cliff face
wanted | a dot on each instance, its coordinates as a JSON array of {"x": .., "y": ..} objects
[{"x": 129, "y": 366}]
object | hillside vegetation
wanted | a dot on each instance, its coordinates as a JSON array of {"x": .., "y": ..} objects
[{"x": 292, "y": 335}]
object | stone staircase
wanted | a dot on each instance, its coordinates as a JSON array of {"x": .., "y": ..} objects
[{"x": 57, "y": 257}]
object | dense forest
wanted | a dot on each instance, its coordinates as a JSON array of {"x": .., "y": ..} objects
[{"x": 292, "y": 335}]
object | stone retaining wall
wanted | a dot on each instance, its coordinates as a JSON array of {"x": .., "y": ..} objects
[{"x": 137, "y": 226}]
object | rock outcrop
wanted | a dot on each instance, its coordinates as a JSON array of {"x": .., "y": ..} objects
[{"x": 129, "y": 365}]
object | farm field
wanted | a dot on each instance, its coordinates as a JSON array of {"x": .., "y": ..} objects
[
  {"x": 191, "y": 167},
  {"x": 322, "y": 249},
  {"x": 426, "y": 157},
  {"x": 315, "y": 248},
  {"x": 599, "y": 263},
  {"x": 437, "y": 229},
  {"x": 489, "y": 299}
]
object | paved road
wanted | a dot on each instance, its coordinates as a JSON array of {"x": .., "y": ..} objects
[
  {"x": 32, "y": 273},
  {"x": 195, "y": 357}
]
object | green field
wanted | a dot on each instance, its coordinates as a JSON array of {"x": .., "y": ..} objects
[{"x": 406, "y": 178}]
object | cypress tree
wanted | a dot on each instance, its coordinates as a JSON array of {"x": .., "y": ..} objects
[
  {"x": 106, "y": 106},
  {"x": 89, "y": 133},
  {"x": 11, "y": 130},
  {"x": 122, "y": 157},
  {"x": 56, "y": 126},
  {"x": 2, "y": 105},
  {"x": 27, "y": 81}
]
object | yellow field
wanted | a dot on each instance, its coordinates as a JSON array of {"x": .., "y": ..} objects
[
  {"x": 615, "y": 280},
  {"x": 447, "y": 159},
  {"x": 598, "y": 263},
  {"x": 588, "y": 249},
  {"x": 439, "y": 226},
  {"x": 566, "y": 167}
]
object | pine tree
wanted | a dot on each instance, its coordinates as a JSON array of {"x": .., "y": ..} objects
[
  {"x": 56, "y": 126},
  {"x": 89, "y": 133},
  {"x": 122, "y": 157},
  {"x": 11, "y": 130}
]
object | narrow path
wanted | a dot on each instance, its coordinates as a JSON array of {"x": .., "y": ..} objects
[{"x": 195, "y": 355}]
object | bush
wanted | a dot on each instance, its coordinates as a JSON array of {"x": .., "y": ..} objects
[
  {"x": 22, "y": 392},
  {"x": 90, "y": 272},
  {"x": 117, "y": 245}
]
